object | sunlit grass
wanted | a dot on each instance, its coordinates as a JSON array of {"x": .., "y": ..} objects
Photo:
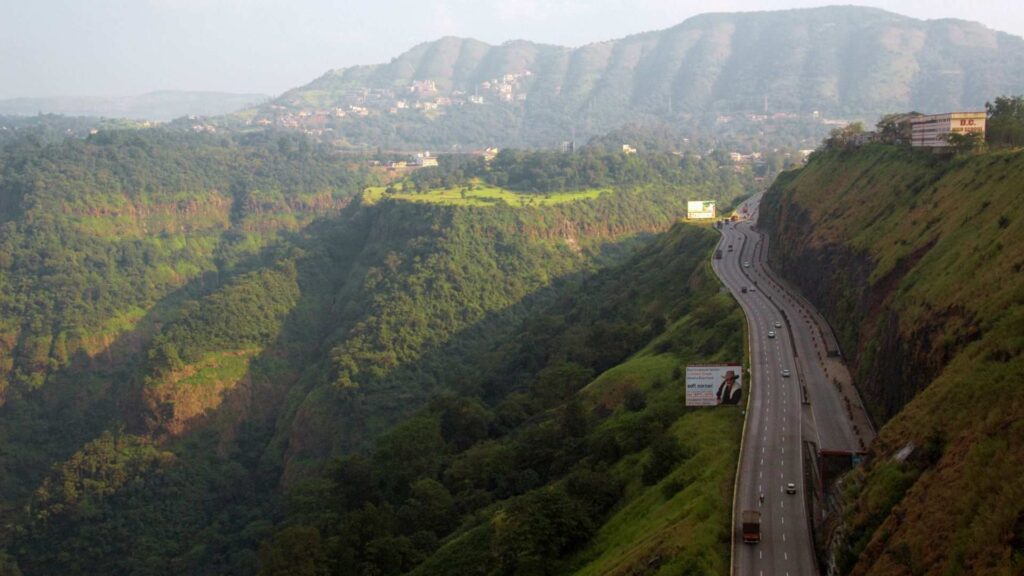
[{"x": 478, "y": 194}]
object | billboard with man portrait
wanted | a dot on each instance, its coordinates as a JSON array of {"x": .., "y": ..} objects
[{"x": 714, "y": 384}]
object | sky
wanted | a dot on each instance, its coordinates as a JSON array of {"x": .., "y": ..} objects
[{"x": 129, "y": 47}]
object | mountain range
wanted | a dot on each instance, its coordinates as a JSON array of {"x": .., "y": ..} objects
[{"x": 785, "y": 71}]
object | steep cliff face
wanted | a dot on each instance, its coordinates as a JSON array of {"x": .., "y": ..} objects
[{"x": 915, "y": 260}]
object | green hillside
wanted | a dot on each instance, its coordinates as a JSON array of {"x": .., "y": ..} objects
[
  {"x": 200, "y": 333},
  {"x": 710, "y": 75},
  {"x": 560, "y": 472},
  {"x": 915, "y": 259}
]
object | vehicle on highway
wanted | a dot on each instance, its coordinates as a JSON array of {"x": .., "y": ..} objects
[
  {"x": 718, "y": 254},
  {"x": 785, "y": 373},
  {"x": 746, "y": 264},
  {"x": 791, "y": 488},
  {"x": 730, "y": 247},
  {"x": 743, "y": 289},
  {"x": 778, "y": 324},
  {"x": 751, "y": 526},
  {"x": 771, "y": 333}
]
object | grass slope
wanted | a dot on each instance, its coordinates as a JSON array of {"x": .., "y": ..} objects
[
  {"x": 933, "y": 309},
  {"x": 481, "y": 195},
  {"x": 678, "y": 522}
]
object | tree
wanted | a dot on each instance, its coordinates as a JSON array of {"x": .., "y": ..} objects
[
  {"x": 536, "y": 529},
  {"x": 844, "y": 137},
  {"x": 895, "y": 128},
  {"x": 665, "y": 454},
  {"x": 966, "y": 142},
  {"x": 295, "y": 551},
  {"x": 8, "y": 567},
  {"x": 1005, "y": 123}
]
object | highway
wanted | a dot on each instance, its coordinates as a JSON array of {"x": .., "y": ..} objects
[{"x": 806, "y": 403}]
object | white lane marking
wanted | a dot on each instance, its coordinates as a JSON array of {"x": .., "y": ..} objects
[
  {"x": 783, "y": 536},
  {"x": 785, "y": 556}
]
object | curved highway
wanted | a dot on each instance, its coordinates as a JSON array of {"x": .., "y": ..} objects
[{"x": 795, "y": 397}]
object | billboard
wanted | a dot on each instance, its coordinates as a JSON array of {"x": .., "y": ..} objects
[
  {"x": 701, "y": 209},
  {"x": 713, "y": 384}
]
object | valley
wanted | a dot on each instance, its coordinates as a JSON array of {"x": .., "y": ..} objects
[{"x": 665, "y": 304}]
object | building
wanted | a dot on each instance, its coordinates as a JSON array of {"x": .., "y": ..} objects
[
  {"x": 933, "y": 131},
  {"x": 423, "y": 160}
]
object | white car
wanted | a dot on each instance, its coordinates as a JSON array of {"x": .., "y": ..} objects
[
  {"x": 785, "y": 373},
  {"x": 746, "y": 264},
  {"x": 791, "y": 488},
  {"x": 778, "y": 324},
  {"x": 771, "y": 333}
]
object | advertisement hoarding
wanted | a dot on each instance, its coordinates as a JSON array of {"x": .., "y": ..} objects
[
  {"x": 701, "y": 210},
  {"x": 713, "y": 384}
]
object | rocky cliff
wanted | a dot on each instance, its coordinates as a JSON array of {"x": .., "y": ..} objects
[{"x": 915, "y": 260}]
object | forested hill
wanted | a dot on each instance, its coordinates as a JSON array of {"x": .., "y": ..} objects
[
  {"x": 708, "y": 73},
  {"x": 915, "y": 260},
  {"x": 200, "y": 332}
]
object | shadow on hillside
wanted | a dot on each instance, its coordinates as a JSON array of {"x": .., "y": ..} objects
[{"x": 285, "y": 414}]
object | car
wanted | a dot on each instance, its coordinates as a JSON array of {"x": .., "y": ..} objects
[
  {"x": 791, "y": 488},
  {"x": 746, "y": 264},
  {"x": 785, "y": 373},
  {"x": 743, "y": 289},
  {"x": 771, "y": 333},
  {"x": 778, "y": 324}
]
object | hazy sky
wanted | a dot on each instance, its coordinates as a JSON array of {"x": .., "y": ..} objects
[{"x": 127, "y": 47}]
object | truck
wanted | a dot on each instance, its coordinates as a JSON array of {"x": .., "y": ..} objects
[
  {"x": 718, "y": 254},
  {"x": 751, "y": 526}
]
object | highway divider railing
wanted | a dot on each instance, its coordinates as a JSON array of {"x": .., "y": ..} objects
[{"x": 825, "y": 329}]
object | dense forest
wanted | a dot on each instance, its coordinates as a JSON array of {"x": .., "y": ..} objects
[
  {"x": 217, "y": 359},
  {"x": 543, "y": 172}
]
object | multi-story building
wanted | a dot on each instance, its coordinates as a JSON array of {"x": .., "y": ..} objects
[{"x": 933, "y": 131}]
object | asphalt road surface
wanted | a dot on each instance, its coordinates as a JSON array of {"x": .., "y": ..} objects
[{"x": 785, "y": 408}]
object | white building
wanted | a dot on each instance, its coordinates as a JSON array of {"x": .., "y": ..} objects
[{"x": 933, "y": 131}]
